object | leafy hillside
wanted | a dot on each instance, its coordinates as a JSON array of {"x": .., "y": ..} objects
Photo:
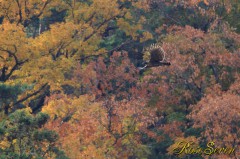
[{"x": 77, "y": 79}]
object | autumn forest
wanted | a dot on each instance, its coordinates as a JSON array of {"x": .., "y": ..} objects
[{"x": 119, "y": 79}]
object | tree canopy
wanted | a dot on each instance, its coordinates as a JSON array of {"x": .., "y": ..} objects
[{"x": 118, "y": 78}]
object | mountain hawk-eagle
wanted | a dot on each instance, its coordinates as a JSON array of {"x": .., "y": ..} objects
[{"x": 154, "y": 56}]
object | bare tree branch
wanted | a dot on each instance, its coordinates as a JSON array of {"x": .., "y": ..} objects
[{"x": 4, "y": 77}]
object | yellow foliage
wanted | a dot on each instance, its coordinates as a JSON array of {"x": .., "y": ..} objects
[
  {"x": 56, "y": 51},
  {"x": 20, "y": 11},
  {"x": 4, "y": 144},
  {"x": 146, "y": 36},
  {"x": 47, "y": 57}
]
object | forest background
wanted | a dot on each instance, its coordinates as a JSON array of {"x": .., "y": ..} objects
[{"x": 70, "y": 86}]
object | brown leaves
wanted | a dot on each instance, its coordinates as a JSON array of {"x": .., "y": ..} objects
[
  {"x": 88, "y": 127},
  {"x": 218, "y": 115},
  {"x": 117, "y": 78},
  {"x": 111, "y": 119}
]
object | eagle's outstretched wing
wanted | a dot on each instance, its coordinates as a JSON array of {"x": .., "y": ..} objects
[{"x": 154, "y": 56}]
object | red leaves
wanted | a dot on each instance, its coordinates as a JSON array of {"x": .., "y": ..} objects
[
  {"x": 115, "y": 77},
  {"x": 126, "y": 105},
  {"x": 218, "y": 115}
]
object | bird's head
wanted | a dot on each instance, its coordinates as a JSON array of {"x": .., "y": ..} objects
[{"x": 147, "y": 56}]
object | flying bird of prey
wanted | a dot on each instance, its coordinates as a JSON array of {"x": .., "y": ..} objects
[{"x": 154, "y": 56}]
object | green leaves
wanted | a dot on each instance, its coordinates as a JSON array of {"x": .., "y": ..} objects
[
  {"x": 22, "y": 137},
  {"x": 176, "y": 116},
  {"x": 45, "y": 135}
]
